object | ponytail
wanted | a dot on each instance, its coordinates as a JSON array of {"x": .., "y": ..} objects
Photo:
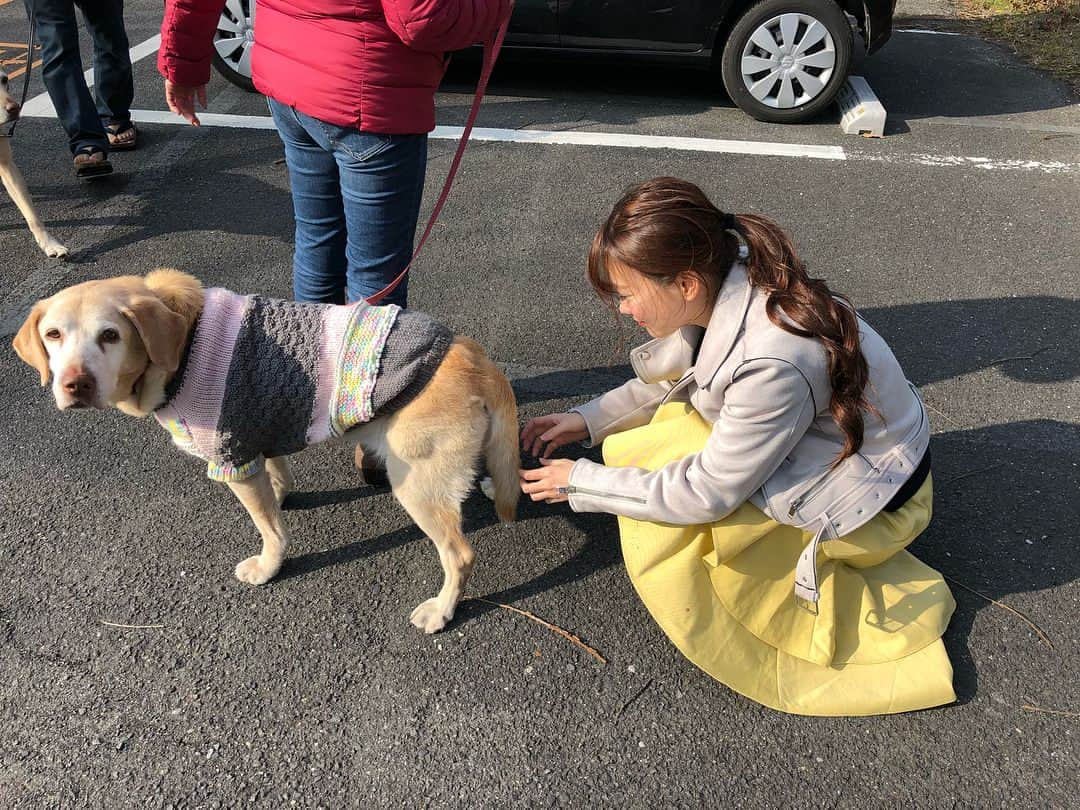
[{"x": 806, "y": 307}]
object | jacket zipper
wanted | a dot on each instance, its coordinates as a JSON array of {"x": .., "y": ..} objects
[
  {"x": 571, "y": 490},
  {"x": 816, "y": 487},
  {"x": 807, "y": 494},
  {"x": 678, "y": 386}
]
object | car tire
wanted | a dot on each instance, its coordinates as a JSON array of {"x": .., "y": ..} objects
[
  {"x": 800, "y": 73},
  {"x": 233, "y": 39}
]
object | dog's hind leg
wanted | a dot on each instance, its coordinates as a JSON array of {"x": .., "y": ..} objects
[
  {"x": 16, "y": 189},
  {"x": 261, "y": 501},
  {"x": 433, "y": 500}
]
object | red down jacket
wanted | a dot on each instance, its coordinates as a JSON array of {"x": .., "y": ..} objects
[{"x": 372, "y": 64}]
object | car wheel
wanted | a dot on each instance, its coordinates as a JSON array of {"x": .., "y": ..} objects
[
  {"x": 233, "y": 39},
  {"x": 785, "y": 60}
]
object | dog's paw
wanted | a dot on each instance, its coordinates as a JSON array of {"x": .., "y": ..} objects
[
  {"x": 430, "y": 617},
  {"x": 255, "y": 571},
  {"x": 487, "y": 486},
  {"x": 51, "y": 247}
]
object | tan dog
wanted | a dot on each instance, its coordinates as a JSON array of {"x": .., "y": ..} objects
[
  {"x": 13, "y": 179},
  {"x": 119, "y": 342}
]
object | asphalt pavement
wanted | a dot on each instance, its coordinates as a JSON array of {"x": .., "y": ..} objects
[{"x": 135, "y": 671}]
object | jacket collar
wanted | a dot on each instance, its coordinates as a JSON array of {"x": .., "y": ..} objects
[
  {"x": 697, "y": 350},
  {"x": 725, "y": 324}
]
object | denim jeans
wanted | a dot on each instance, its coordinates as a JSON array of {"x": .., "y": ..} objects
[
  {"x": 84, "y": 118},
  {"x": 356, "y": 198}
]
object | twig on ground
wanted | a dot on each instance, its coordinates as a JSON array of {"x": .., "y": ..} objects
[
  {"x": 1027, "y": 707},
  {"x": 133, "y": 626},
  {"x": 633, "y": 697},
  {"x": 1038, "y": 630},
  {"x": 553, "y": 628},
  {"x": 1020, "y": 357},
  {"x": 973, "y": 472},
  {"x": 941, "y": 413}
]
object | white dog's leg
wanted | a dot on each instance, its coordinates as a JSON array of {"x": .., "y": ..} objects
[
  {"x": 16, "y": 188},
  {"x": 281, "y": 477},
  {"x": 259, "y": 498}
]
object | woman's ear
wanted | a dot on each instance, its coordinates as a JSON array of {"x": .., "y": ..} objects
[{"x": 690, "y": 285}]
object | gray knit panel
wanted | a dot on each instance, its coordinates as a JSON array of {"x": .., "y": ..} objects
[
  {"x": 271, "y": 387},
  {"x": 414, "y": 348}
]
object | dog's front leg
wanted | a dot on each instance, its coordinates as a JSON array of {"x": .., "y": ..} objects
[
  {"x": 281, "y": 477},
  {"x": 259, "y": 498},
  {"x": 16, "y": 189}
]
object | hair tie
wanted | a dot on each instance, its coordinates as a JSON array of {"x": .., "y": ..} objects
[{"x": 729, "y": 222}]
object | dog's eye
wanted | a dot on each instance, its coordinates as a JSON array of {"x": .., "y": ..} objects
[
  {"x": 3, "y": 81},
  {"x": 52, "y": 334},
  {"x": 109, "y": 336}
]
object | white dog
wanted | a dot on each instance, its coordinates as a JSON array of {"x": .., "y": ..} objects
[{"x": 13, "y": 179}]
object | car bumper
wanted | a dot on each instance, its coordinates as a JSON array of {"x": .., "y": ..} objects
[{"x": 878, "y": 24}]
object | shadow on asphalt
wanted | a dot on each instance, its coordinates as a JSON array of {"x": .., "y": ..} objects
[
  {"x": 477, "y": 513},
  {"x": 607, "y": 92},
  {"x": 221, "y": 181},
  {"x": 1004, "y": 512},
  {"x": 1031, "y": 340}
]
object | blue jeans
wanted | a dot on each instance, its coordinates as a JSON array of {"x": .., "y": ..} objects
[
  {"x": 84, "y": 118},
  {"x": 356, "y": 198}
]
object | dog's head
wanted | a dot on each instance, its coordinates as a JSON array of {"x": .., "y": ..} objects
[
  {"x": 101, "y": 340},
  {"x": 9, "y": 107}
]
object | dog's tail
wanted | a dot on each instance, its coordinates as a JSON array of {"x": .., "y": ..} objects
[{"x": 501, "y": 443}]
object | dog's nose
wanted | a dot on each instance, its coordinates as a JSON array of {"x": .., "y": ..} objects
[
  {"x": 12, "y": 108},
  {"x": 81, "y": 386}
]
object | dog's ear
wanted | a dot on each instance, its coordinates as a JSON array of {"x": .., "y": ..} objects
[
  {"x": 28, "y": 344},
  {"x": 163, "y": 332},
  {"x": 182, "y": 293}
]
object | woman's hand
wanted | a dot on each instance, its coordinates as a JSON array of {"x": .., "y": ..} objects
[
  {"x": 181, "y": 100},
  {"x": 549, "y": 482},
  {"x": 555, "y": 430}
]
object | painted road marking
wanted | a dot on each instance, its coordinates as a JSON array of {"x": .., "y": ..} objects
[
  {"x": 14, "y": 53},
  {"x": 927, "y": 31}
]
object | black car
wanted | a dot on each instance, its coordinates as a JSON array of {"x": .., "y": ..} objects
[{"x": 779, "y": 60}]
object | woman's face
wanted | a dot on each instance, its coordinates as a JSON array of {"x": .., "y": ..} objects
[{"x": 660, "y": 309}]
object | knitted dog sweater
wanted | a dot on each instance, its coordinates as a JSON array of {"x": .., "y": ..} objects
[{"x": 264, "y": 378}]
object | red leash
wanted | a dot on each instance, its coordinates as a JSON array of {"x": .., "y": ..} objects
[{"x": 491, "y": 52}]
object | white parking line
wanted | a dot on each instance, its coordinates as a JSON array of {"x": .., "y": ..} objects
[
  {"x": 571, "y": 137},
  {"x": 41, "y": 106},
  {"x": 927, "y": 31},
  {"x": 633, "y": 141}
]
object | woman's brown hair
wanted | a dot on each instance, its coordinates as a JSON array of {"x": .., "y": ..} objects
[{"x": 666, "y": 226}]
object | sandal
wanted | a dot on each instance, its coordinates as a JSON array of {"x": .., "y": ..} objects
[
  {"x": 123, "y": 137},
  {"x": 91, "y": 161}
]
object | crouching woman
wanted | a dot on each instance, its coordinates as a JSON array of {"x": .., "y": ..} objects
[{"x": 769, "y": 465}]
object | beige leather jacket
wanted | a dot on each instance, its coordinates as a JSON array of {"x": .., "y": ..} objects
[{"x": 766, "y": 393}]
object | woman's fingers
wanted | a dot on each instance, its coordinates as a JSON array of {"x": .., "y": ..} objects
[
  {"x": 547, "y": 483},
  {"x": 536, "y": 485},
  {"x": 533, "y": 429},
  {"x": 554, "y": 444},
  {"x": 545, "y": 434}
]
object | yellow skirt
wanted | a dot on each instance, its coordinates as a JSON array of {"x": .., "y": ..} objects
[{"x": 723, "y": 593}]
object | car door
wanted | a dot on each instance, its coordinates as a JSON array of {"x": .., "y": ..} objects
[
  {"x": 534, "y": 22},
  {"x": 647, "y": 25}
]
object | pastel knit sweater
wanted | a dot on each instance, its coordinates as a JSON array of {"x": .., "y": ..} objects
[{"x": 264, "y": 378}]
